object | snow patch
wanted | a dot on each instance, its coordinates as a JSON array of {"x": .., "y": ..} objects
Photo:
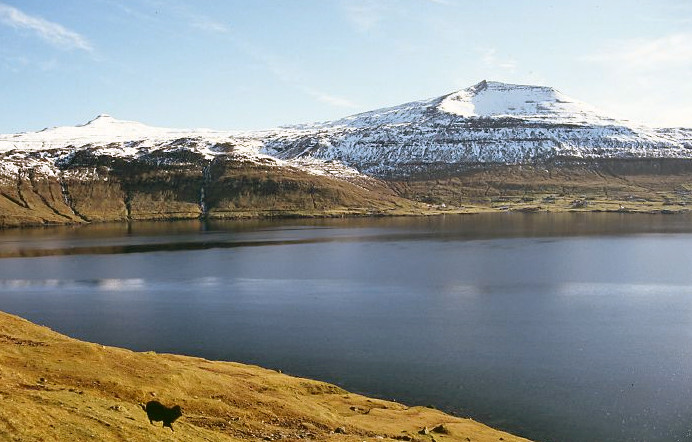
[{"x": 536, "y": 103}]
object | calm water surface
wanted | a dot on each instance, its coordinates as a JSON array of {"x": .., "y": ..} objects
[{"x": 554, "y": 327}]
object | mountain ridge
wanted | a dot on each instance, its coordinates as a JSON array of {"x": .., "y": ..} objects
[{"x": 489, "y": 122}]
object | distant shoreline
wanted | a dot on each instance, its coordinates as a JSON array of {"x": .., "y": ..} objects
[{"x": 435, "y": 210}]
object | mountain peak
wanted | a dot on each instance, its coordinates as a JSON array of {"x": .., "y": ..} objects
[
  {"x": 502, "y": 87},
  {"x": 105, "y": 123},
  {"x": 497, "y": 99},
  {"x": 482, "y": 85},
  {"x": 100, "y": 119}
]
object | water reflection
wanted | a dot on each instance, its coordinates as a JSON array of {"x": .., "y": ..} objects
[
  {"x": 142, "y": 237},
  {"x": 556, "y": 327},
  {"x": 106, "y": 284}
]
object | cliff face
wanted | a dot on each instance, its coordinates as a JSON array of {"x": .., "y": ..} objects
[
  {"x": 226, "y": 187},
  {"x": 94, "y": 188}
]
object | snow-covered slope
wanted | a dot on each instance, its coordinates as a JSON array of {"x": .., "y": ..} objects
[
  {"x": 534, "y": 103},
  {"x": 487, "y": 123},
  {"x": 108, "y": 136}
]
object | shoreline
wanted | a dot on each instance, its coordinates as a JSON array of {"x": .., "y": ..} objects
[
  {"x": 59, "y": 388},
  {"x": 609, "y": 207}
]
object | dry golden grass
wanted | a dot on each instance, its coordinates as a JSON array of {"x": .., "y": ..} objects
[{"x": 54, "y": 388}]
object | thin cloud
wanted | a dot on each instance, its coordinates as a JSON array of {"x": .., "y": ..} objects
[
  {"x": 134, "y": 13},
  {"x": 364, "y": 15},
  {"x": 53, "y": 33},
  {"x": 288, "y": 73},
  {"x": 367, "y": 15},
  {"x": 492, "y": 60},
  {"x": 280, "y": 67},
  {"x": 638, "y": 68},
  {"x": 673, "y": 50},
  {"x": 331, "y": 100},
  {"x": 209, "y": 25}
]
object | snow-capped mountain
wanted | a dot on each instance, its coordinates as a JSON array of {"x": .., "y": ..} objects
[
  {"x": 488, "y": 123},
  {"x": 412, "y": 158},
  {"x": 106, "y": 136}
]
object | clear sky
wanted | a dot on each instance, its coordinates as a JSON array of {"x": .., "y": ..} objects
[{"x": 252, "y": 64}]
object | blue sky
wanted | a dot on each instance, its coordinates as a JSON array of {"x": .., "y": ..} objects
[{"x": 251, "y": 64}]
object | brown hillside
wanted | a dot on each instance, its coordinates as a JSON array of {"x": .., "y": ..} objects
[{"x": 54, "y": 388}]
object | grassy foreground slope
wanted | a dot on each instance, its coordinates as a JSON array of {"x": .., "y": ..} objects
[{"x": 53, "y": 387}]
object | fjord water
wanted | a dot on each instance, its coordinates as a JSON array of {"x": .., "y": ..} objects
[{"x": 572, "y": 327}]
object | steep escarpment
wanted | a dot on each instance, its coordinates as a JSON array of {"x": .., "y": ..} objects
[
  {"x": 89, "y": 187},
  {"x": 31, "y": 197}
]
